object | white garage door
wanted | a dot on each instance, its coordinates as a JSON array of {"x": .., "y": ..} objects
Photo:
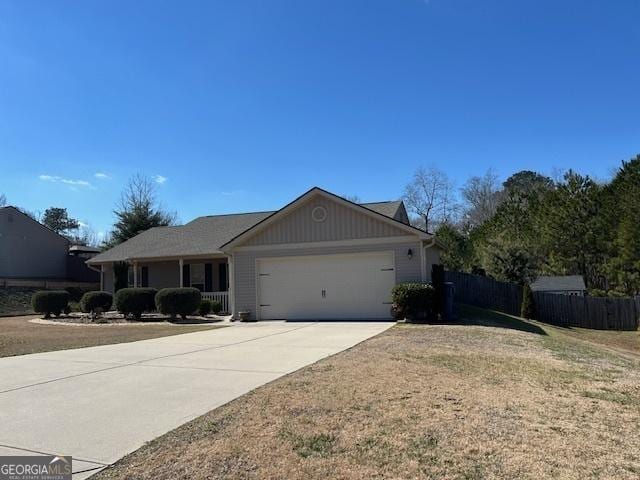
[{"x": 349, "y": 287}]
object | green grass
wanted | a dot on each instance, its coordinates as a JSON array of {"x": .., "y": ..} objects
[
  {"x": 555, "y": 336},
  {"x": 316, "y": 445}
]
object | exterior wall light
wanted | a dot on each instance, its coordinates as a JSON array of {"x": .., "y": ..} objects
[{"x": 409, "y": 254}]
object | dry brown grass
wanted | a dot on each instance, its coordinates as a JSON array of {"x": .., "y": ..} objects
[
  {"x": 440, "y": 402},
  {"x": 18, "y": 336}
]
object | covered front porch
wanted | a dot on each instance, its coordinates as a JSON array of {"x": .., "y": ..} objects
[{"x": 210, "y": 275}]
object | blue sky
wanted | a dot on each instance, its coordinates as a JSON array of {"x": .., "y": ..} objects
[{"x": 243, "y": 105}]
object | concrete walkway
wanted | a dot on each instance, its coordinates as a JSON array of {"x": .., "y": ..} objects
[{"x": 100, "y": 403}]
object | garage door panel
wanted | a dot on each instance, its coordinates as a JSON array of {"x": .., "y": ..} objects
[{"x": 356, "y": 286}]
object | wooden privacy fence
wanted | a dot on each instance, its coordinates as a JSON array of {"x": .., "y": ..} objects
[
  {"x": 485, "y": 292},
  {"x": 562, "y": 310},
  {"x": 600, "y": 313}
]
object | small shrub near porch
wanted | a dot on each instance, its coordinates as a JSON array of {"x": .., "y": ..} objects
[
  {"x": 205, "y": 308},
  {"x": 133, "y": 302},
  {"x": 414, "y": 301},
  {"x": 178, "y": 301},
  {"x": 50, "y": 302},
  {"x": 96, "y": 302}
]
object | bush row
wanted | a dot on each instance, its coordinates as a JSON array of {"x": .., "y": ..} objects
[{"x": 131, "y": 302}]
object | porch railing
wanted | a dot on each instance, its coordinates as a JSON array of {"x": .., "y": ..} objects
[{"x": 222, "y": 297}]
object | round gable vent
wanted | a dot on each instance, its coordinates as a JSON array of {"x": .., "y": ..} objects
[{"x": 319, "y": 214}]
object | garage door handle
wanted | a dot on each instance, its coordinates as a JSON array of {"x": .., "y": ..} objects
[
  {"x": 265, "y": 304},
  {"x": 324, "y": 294},
  {"x": 386, "y": 269},
  {"x": 264, "y": 274}
]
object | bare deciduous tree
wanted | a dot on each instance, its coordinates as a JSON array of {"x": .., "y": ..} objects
[
  {"x": 3, "y": 199},
  {"x": 85, "y": 235},
  {"x": 482, "y": 195},
  {"x": 430, "y": 197}
]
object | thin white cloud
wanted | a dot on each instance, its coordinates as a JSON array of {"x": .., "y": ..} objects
[
  {"x": 160, "y": 179},
  {"x": 102, "y": 176},
  {"x": 67, "y": 181}
]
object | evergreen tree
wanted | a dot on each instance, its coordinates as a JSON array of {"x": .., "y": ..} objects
[
  {"x": 138, "y": 211},
  {"x": 58, "y": 220},
  {"x": 455, "y": 253}
]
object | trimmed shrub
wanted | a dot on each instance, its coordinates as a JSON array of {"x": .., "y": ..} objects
[
  {"x": 414, "y": 301},
  {"x": 50, "y": 302},
  {"x": 75, "y": 293},
  {"x": 216, "y": 307},
  {"x": 527, "y": 309},
  {"x": 96, "y": 302},
  {"x": 132, "y": 302},
  {"x": 178, "y": 301},
  {"x": 205, "y": 308}
]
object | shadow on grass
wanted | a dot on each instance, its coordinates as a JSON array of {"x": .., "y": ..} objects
[{"x": 468, "y": 315}]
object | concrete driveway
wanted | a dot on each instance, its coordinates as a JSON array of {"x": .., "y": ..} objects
[{"x": 100, "y": 403}]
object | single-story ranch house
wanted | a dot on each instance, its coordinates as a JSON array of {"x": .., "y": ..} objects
[{"x": 319, "y": 257}]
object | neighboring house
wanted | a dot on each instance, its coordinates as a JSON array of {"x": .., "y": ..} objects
[
  {"x": 563, "y": 285},
  {"x": 319, "y": 257},
  {"x": 83, "y": 251},
  {"x": 28, "y": 249},
  {"x": 31, "y": 251}
]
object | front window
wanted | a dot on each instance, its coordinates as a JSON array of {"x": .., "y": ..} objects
[
  {"x": 197, "y": 276},
  {"x": 130, "y": 276}
]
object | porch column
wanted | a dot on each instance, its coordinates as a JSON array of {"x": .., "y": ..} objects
[
  {"x": 102, "y": 277},
  {"x": 423, "y": 261},
  {"x": 231, "y": 291},
  {"x": 135, "y": 274},
  {"x": 181, "y": 264}
]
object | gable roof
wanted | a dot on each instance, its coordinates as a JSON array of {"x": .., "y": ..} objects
[
  {"x": 42, "y": 225},
  {"x": 561, "y": 283},
  {"x": 207, "y": 235},
  {"x": 202, "y": 236},
  {"x": 388, "y": 209},
  {"x": 319, "y": 191}
]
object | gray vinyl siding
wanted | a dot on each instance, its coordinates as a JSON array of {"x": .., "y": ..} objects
[
  {"x": 108, "y": 279},
  {"x": 245, "y": 266},
  {"x": 432, "y": 256},
  {"x": 401, "y": 215},
  {"x": 342, "y": 223},
  {"x": 163, "y": 274},
  {"x": 30, "y": 250}
]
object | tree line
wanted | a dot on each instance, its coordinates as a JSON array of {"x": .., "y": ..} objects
[{"x": 532, "y": 225}]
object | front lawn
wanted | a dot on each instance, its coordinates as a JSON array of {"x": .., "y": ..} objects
[
  {"x": 492, "y": 397},
  {"x": 18, "y": 336}
]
